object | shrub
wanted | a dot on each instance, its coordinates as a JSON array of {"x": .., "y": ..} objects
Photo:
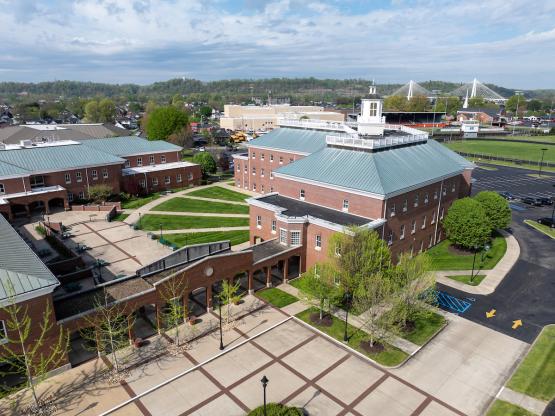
[
  {"x": 276, "y": 409},
  {"x": 466, "y": 224},
  {"x": 100, "y": 193},
  {"x": 496, "y": 208},
  {"x": 41, "y": 230},
  {"x": 206, "y": 162}
]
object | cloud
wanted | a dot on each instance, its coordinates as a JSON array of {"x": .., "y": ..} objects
[{"x": 499, "y": 41}]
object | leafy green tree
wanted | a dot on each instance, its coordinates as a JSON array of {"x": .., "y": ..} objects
[
  {"x": 496, "y": 208},
  {"x": 206, "y": 162},
  {"x": 323, "y": 288},
  {"x": 92, "y": 112},
  {"x": 165, "y": 121},
  {"x": 229, "y": 295},
  {"x": 418, "y": 103},
  {"x": 476, "y": 102},
  {"x": 205, "y": 111},
  {"x": 452, "y": 104},
  {"x": 395, "y": 103},
  {"x": 513, "y": 102},
  {"x": 534, "y": 105},
  {"x": 466, "y": 224},
  {"x": 106, "y": 110},
  {"x": 100, "y": 193}
]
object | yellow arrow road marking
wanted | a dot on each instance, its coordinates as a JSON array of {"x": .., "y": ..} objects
[
  {"x": 491, "y": 313},
  {"x": 517, "y": 323}
]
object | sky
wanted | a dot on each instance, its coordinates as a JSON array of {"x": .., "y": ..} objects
[{"x": 507, "y": 42}]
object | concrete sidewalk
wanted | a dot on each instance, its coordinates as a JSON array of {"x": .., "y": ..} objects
[
  {"x": 493, "y": 277},
  {"x": 522, "y": 400},
  {"x": 200, "y": 230},
  {"x": 198, "y": 214}
]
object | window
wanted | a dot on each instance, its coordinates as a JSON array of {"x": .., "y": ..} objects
[
  {"x": 426, "y": 198},
  {"x": 246, "y": 186},
  {"x": 390, "y": 238},
  {"x": 36, "y": 181},
  {"x": 271, "y": 157},
  {"x": 238, "y": 167},
  {"x": 78, "y": 177},
  {"x": 178, "y": 178},
  {"x": 254, "y": 187},
  {"x": 67, "y": 178},
  {"x": 453, "y": 187},
  {"x": 139, "y": 161},
  {"x": 94, "y": 174},
  {"x": 433, "y": 217},
  {"x": 262, "y": 172},
  {"x": 190, "y": 176},
  {"x": 142, "y": 183},
  {"x": 435, "y": 194},
  {"x": 127, "y": 164},
  {"x": 258, "y": 221},
  {"x": 246, "y": 170},
  {"x": 163, "y": 159},
  {"x": 254, "y": 170},
  {"x": 151, "y": 159},
  {"x": 295, "y": 238},
  {"x": 262, "y": 188},
  {"x": 373, "y": 109},
  {"x": 167, "y": 180},
  {"x": 444, "y": 191},
  {"x": 392, "y": 210},
  {"x": 441, "y": 213},
  {"x": 253, "y": 155},
  {"x": 402, "y": 232},
  {"x": 282, "y": 236},
  {"x": 238, "y": 183},
  {"x": 424, "y": 219},
  {"x": 345, "y": 205},
  {"x": 413, "y": 227},
  {"x": 281, "y": 160},
  {"x": 81, "y": 195},
  {"x": 154, "y": 181},
  {"x": 405, "y": 205},
  {"x": 273, "y": 226},
  {"x": 261, "y": 156},
  {"x": 2, "y": 189},
  {"x": 416, "y": 199},
  {"x": 318, "y": 242},
  {"x": 301, "y": 196},
  {"x": 70, "y": 197},
  {"x": 271, "y": 175},
  {"x": 105, "y": 173},
  {"x": 290, "y": 160}
]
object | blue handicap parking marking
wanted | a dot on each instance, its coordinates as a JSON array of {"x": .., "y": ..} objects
[
  {"x": 517, "y": 207},
  {"x": 451, "y": 303}
]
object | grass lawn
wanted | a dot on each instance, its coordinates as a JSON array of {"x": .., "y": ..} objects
[
  {"x": 466, "y": 279},
  {"x": 525, "y": 151},
  {"x": 541, "y": 228},
  {"x": 547, "y": 138},
  {"x": 179, "y": 204},
  {"x": 390, "y": 356},
  {"x": 426, "y": 326},
  {"x": 185, "y": 239},
  {"x": 277, "y": 297},
  {"x": 120, "y": 217},
  {"x": 502, "y": 408},
  {"x": 536, "y": 374},
  {"x": 443, "y": 259},
  {"x": 217, "y": 192},
  {"x": 151, "y": 222},
  {"x": 139, "y": 202}
]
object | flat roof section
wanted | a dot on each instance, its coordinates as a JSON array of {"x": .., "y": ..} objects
[
  {"x": 155, "y": 168},
  {"x": 267, "y": 249},
  {"x": 296, "y": 208}
]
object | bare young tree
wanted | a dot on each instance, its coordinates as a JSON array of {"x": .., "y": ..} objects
[
  {"x": 228, "y": 296},
  {"x": 173, "y": 291},
  {"x": 32, "y": 349}
]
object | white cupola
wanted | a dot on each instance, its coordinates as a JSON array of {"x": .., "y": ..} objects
[{"x": 370, "y": 121}]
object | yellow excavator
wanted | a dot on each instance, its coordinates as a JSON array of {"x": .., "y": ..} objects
[{"x": 239, "y": 136}]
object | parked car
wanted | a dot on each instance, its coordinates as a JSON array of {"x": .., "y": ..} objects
[
  {"x": 507, "y": 195},
  {"x": 547, "y": 221},
  {"x": 532, "y": 201},
  {"x": 546, "y": 200}
]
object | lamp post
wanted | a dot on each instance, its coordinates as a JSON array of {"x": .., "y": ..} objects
[
  {"x": 220, "y": 316},
  {"x": 139, "y": 220},
  {"x": 161, "y": 236},
  {"x": 486, "y": 249},
  {"x": 541, "y": 163},
  {"x": 348, "y": 301},
  {"x": 264, "y": 382},
  {"x": 517, "y": 93},
  {"x": 553, "y": 210},
  {"x": 473, "y": 263}
]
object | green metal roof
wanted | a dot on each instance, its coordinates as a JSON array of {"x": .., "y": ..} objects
[
  {"x": 130, "y": 145},
  {"x": 21, "y": 271},
  {"x": 293, "y": 140},
  {"x": 383, "y": 172},
  {"x": 7, "y": 169},
  {"x": 53, "y": 158}
]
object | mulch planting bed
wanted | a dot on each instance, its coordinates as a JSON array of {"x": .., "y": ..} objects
[{"x": 325, "y": 321}]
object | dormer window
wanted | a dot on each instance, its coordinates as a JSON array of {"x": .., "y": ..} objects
[{"x": 373, "y": 109}]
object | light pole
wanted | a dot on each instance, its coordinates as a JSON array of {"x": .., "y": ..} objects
[
  {"x": 139, "y": 220},
  {"x": 161, "y": 236},
  {"x": 517, "y": 93},
  {"x": 541, "y": 163},
  {"x": 473, "y": 263},
  {"x": 434, "y": 122},
  {"x": 264, "y": 382},
  {"x": 220, "y": 316}
]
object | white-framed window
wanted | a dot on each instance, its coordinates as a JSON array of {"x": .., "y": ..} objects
[
  {"x": 402, "y": 232},
  {"x": 154, "y": 181},
  {"x": 253, "y": 155},
  {"x": 105, "y": 173},
  {"x": 426, "y": 198},
  {"x": 254, "y": 170},
  {"x": 271, "y": 157},
  {"x": 70, "y": 197},
  {"x": 178, "y": 178},
  {"x": 262, "y": 188},
  {"x": 433, "y": 217},
  {"x": 190, "y": 176},
  {"x": 78, "y": 177},
  {"x": 258, "y": 221},
  {"x": 261, "y": 156},
  {"x": 318, "y": 242},
  {"x": 453, "y": 187},
  {"x": 67, "y": 178},
  {"x": 435, "y": 194},
  {"x": 424, "y": 220},
  {"x": 283, "y": 236},
  {"x": 94, "y": 174},
  {"x": 81, "y": 195},
  {"x": 413, "y": 227},
  {"x": 301, "y": 195},
  {"x": 238, "y": 167},
  {"x": 273, "y": 226},
  {"x": 151, "y": 159},
  {"x": 2, "y": 189},
  {"x": 163, "y": 159},
  {"x": 345, "y": 205},
  {"x": 142, "y": 183},
  {"x": 392, "y": 210},
  {"x": 246, "y": 186},
  {"x": 127, "y": 163},
  {"x": 139, "y": 161},
  {"x": 246, "y": 169},
  {"x": 444, "y": 190},
  {"x": 262, "y": 172},
  {"x": 416, "y": 200},
  {"x": 254, "y": 187},
  {"x": 441, "y": 213},
  {"x": 167, "y": 180},
  {"x": 405, "y": 205},
  {"x": 390, "y": 238},
  {"x": 281, "y": 160},
  {"x": 271, "y": 175},
  {"x": 295, "y": 238},
  {"x": 373, "y": 109},
  {"x": 3, "y": 333}
]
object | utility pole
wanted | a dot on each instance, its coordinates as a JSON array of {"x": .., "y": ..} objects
[{"x": 518, "y": 94}]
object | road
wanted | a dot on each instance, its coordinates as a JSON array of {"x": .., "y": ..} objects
[{"x": 528, "y": 291}]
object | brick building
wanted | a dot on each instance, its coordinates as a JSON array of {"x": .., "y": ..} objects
[
  {"x": 316, "y": 178},
  {"x": 38, "y": 176}
]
